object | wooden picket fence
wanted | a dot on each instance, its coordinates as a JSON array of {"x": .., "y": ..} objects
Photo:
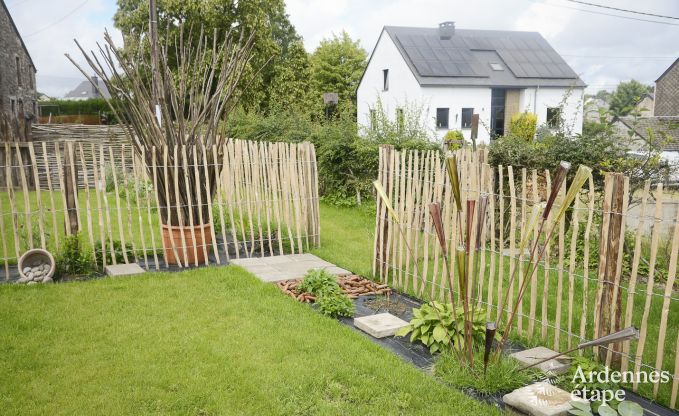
[
  {"x": 575, "y": 295},
  {"x": 266, "y": 200}
]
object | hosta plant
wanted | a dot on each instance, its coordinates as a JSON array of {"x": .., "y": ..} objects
[{"x": 435, "y": 328}]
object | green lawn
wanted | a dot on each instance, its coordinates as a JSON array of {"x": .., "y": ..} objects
[{"x": 210, "y": 341}]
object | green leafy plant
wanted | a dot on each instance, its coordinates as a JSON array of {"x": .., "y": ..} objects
[
  {"x": 501, "y": 376},
  {"x": 587, "y": 366},
  {"x": 320, "y": 282},
  {"x": 329, "y": 297},
  {"x": 117, "y": 251},
  {"x": 73, "y": 259},
  {"x": 624, "y": 408},
  {"x": 427, "y": 326},
  {"x": 454, "y": 139},
  {"x": 523, "y": 126},
  {"x": 335, "y": 305}
]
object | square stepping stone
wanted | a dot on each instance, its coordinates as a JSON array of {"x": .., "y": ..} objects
[
  {"x": 540, "y": 399},
  {"x": 284, "y": 267},
  {"x": 116, "y": 270},
  {"x": 380, "y": 325},
  {"x": 533, "y": 355}
]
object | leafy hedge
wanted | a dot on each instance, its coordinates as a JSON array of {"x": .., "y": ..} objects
[{"x": 69, "y": 107}]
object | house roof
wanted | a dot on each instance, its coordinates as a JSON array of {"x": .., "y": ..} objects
[
  {"x": 667, "y": 70},
  {"x": 482, "y": 58},
  {"x": 664, "y": 130},
  {"x": 16, "y": 30},
  {"x": 86, "y": 90}
]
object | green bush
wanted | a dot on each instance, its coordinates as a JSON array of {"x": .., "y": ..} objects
[
  {"x": 75, "y": 107},
  {"x": 117, "y": 251},
  {"x": 73, "y": 259},
  {"x": 454, "y": 139},
  {"x": 335, "y": 306},
  {"x": 330, "y": 300},
  {"x": 523, "y": 126}
]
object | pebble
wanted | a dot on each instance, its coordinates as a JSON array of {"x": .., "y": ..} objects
[
  {"x": 27, "y": 270},
  {"x": 32, "y": 283}
]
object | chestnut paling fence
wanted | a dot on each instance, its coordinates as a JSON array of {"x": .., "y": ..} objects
[
  {"x": 265, "y": 201},
  {"x": 580, "y": 291}
]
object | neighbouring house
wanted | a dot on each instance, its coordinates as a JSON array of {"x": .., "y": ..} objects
[
  {"x": 87, "y": 90},
  {"x": 661, "y": 132},
  {"x": 454, "y": 73},
  {"x": 644, "y": 107},
  {"x": 666, "y": 101},
  {"x": 596, "y": 109},
  {"x": 18, "y": 97}
]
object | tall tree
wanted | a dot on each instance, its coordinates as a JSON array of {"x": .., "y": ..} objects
[
  {"x": 626, "y": 96},
  {"x": 275, "y": 36},
  {"x": 336, "y": 66}
]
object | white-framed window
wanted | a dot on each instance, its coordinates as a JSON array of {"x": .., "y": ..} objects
[
  {"x": 554, "y": 117},
  {"x": 442, "y": 117},
  {"x": 385, "y": 80}
]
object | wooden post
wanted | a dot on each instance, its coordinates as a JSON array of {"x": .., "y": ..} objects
[
  {"x": 70, "y": 189},
  {"x": 610, "y": 243},
  {"x": 382, "y": 231},
  {"x": 475, "y": 130}
]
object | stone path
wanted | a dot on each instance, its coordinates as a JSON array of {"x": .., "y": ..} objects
[{"x": 288, "y": 266}]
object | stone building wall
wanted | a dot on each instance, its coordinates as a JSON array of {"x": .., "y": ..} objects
[
  {"x": 18, "y": 98},
  {"x": 667, "y": 92}
]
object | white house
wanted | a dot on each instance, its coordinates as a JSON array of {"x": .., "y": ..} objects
[{"x": 453, "y": 73}]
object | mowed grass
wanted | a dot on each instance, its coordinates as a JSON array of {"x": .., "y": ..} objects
[
  {"x": 347, "y": 238},
  {"x": 209, "y": 341}
]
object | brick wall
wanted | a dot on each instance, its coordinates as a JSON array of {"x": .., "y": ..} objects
[
  {"x": 17, "y": 85},
  {"x": 667, "y": 93}
]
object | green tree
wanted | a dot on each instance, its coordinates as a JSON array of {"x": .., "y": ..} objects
[
  {"x": 626, "y": 96},
  {"x": 275, "y": 37},
  {"x": 336, "y": 66}
]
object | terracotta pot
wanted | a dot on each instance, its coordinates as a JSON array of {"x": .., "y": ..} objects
[{"x": 172, "y": 233}]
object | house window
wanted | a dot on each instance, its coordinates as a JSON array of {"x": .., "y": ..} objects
[
  {"x": 373, "y": 120},
  {"x": 18, "y": 64},
  {"x": 400, "y": 119},
  {"x": 467, "y": 118},
  {"x": 442, "y": 118},
  {"x": 553, "y": 117},
  {"x": 385, "y": 80}
]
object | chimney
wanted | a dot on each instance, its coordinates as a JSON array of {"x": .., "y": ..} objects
[
  {"x": 446, "y": 30},
  {"x": 95, "y": 84}
]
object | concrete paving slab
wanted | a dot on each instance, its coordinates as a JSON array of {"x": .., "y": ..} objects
[
  {"x": 284, "y": 267},
  {"x": 533, "y": 355},
  {"x": 124, "y": 270},
  {"x": 540, "y": 399},
  {"x": 380, "y": 325}
]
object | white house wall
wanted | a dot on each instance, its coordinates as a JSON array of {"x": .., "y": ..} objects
[{"x": 553, "y": 97}]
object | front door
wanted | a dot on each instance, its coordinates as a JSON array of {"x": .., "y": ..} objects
[{"x": 497, "y": 112}]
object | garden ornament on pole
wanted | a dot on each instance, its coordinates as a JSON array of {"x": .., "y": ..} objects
[{"x": 620, "y": 336}]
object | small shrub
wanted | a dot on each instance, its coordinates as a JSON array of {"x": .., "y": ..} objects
[
  {"x": 523, "y": 126},
  {"x": 73, "y": 259},
  {"x": 427, "y": 328},
  {"x": 454, "y": 139},
  {"x": 117, "y": 249},
  {"x": 319, "y": 282},
  {"x": 501, "y": 376},
  {"x": 329, "y": 297},
  {"x": 335, "y": 306}
]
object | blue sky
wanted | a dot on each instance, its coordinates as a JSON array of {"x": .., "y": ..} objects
[{"x": 602, "y": 49}]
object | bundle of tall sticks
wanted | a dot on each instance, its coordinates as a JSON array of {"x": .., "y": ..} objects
[{"x": 174, "y": 96}]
